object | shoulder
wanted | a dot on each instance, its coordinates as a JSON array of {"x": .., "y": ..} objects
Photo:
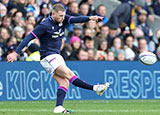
[
  {"x": 68, "y": 16},
  {"x": 45, "y": 22}
]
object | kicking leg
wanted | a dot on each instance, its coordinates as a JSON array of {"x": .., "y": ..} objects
[{"x": 65, "y": 72}]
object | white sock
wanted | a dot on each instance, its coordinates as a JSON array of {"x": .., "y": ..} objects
[{"x": 94, "y": 87}]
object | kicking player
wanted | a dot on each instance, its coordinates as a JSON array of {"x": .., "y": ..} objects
[{"x": 50, "y": 32}]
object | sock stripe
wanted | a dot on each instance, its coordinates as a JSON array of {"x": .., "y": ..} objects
[
  {"x": 72, "y": 79},
  {"x": 63, "y": 88}
]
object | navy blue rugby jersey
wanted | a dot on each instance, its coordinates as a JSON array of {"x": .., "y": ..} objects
[{"x": 50, "y": 34}]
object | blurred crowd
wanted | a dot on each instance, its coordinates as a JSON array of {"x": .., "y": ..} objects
[{"x": 121, "y": 37}]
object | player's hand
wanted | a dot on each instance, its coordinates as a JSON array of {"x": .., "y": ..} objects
[
  {"x": 12, "y": 57},
  {"x": 96, "y": 18}
]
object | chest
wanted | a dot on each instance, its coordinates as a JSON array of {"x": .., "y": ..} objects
[{"x": 55, "y": 31}]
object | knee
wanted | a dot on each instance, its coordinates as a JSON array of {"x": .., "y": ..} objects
[{"x": 65, "y": 83}]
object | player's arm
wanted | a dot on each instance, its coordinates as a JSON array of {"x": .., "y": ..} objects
[
  {"x": 81, "y": 19},
  {"x": 38, "y": 31}
]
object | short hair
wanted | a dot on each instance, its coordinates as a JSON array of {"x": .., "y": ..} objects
[
  {"x": 101, "y": 5},
  {"x": 87, "y": 38},
  {"x": 58, "y": 7},
  {"x": 128, "y": 35}
]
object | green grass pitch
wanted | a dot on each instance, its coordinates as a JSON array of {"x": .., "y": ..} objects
[{"x": 84, "y": 107}]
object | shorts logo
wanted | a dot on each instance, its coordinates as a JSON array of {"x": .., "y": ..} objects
[{"x": 52, "y": 27}]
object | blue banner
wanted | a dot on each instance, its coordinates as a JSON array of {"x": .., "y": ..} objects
[{"x": 128, "y": 80}]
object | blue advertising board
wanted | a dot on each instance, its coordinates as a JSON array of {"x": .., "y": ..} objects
[{"x": 128, "y": 80}]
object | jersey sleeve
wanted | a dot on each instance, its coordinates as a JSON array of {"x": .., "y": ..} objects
[
  {"x": 36, "y": 33},
  {"x": 26, "y": 40},
  {"x": 76, "y": 19},
  {"x": 39, "y": 30}
]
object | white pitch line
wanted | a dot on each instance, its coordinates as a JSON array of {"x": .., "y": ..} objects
[{"x": 83, "y": 110}]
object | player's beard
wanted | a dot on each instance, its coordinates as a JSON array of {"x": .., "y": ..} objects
[{"x": 58, "y": 20}]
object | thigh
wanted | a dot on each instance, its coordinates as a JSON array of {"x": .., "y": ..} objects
[
  {"x": 61, "y": 81},
  {"x": 64, "y": 72},
  {"x": 52, "y": 62}
]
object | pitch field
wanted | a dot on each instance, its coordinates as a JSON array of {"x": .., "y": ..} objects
[{"x": 92, "y": 107}]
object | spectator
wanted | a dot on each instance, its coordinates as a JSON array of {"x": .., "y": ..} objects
[
  {"x": 144, "y": 26},
  {"x": 88, "y": 42},
  {"x": 4, "y": 35},
  {"x": 120, "y": 16},
  {"x": 117, "y": 44},
  {"x": 142, "y": 46},
  {"x": 43, "y": 13},
  {"x": 73, "y": 9},
  {"x": 120, "y": 55},
  {"x": 91, "y": 55},
  {"x": 33, "y": 52},
  {"x": 76, "y": 45},
  {"x": 84, "y": 9},
  {"x": 30, "y": 20},
  {"x": 3, "y": 10},
  {"x": 6, "y": 22},
  {"x": 101, "y": 11},
  {"x": 129, "y": 38},
  {"x": 102, "y": 50},
  {"x": 103, "y": 45},
  {"x": 47, "y": 2},
  {"x": 17, "y": 19},
  {"x": 88, "y": 32},
  {"x": 77, "y": 31},
  {"x": 91, "y": 6},
  {"x": 103, "y": 35},
  {"x": 111, "y": 56},
  {"x": 82, "y": 54},
  {"x": 125, "y": 14},
  {"x": 18, "y": 32}
]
